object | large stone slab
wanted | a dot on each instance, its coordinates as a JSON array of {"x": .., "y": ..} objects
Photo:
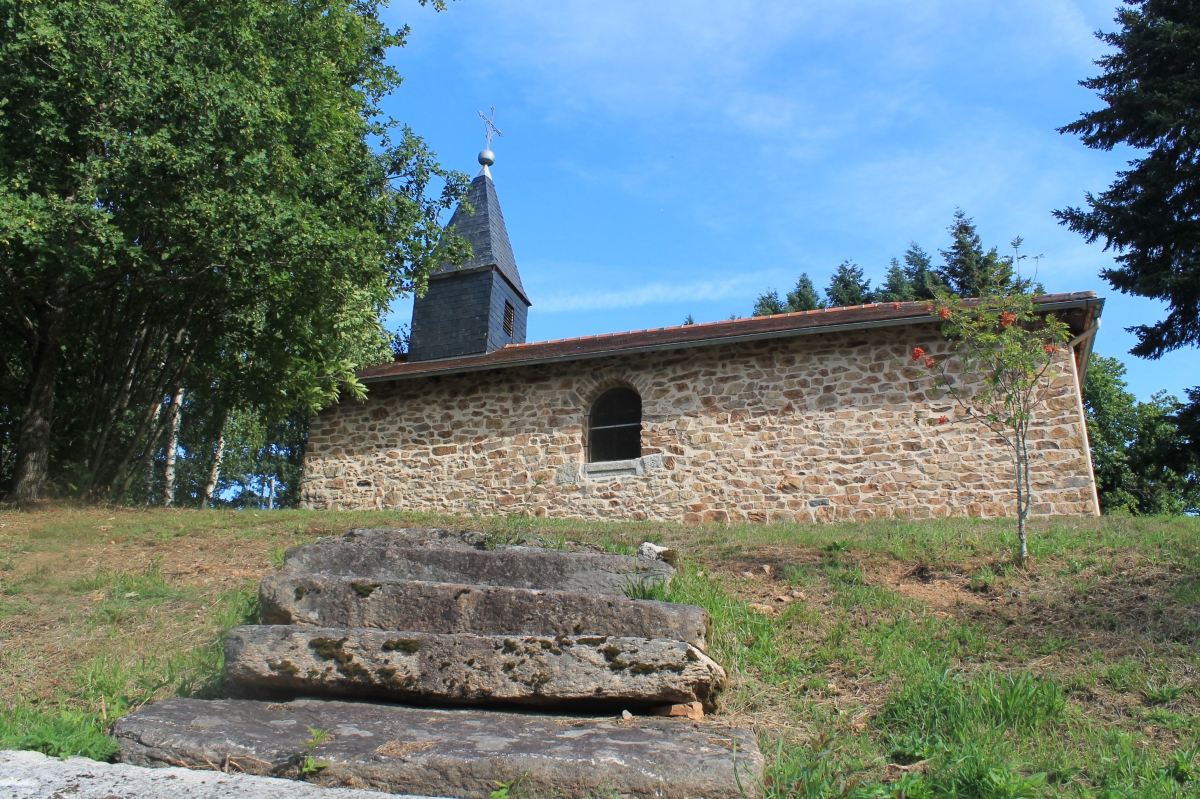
[
  {"x": 32, "y": 775},
  {"x": 464, "y": 668},
  {"x": 398, "y": 557},
  {"x": 417, "y": 606},
  {"x": 459, "y": 753}
]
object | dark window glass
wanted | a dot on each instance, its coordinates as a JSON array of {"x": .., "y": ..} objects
[
  {"x": 615, "y": 426},
  {"x": 510, "y": 318}
]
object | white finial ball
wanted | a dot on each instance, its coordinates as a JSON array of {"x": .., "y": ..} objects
[{"x": 487, "y": 158}]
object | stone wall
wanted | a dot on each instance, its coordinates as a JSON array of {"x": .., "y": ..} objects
[{"x": 815, "y": 427}]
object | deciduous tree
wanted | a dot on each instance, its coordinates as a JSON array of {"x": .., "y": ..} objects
[
  {"x": 209, "y": 194},
  {"x": 997, "y": 373}
]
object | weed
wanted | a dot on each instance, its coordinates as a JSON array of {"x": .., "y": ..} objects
[
  {"x": 1182, "y": 765},
  {"x": 984, "y": 581},
  {"x": 508, "y": 790},
  {"x": 1163, "y": 694},
  {"x": 1123, "y": 676},
  {"x": 57, "y": 731},
  {"x": 277, "y": 557},
  {"x": 309, "y": 765},
  {"x": 14, "y": 608},
  {"x": 7, "y": 565},
  {"x": 640, "y": 588}
]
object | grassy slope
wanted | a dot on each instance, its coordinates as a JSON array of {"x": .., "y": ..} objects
[{"x": 881, "y": 659}]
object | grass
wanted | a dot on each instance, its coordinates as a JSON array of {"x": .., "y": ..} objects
[{"x": 882, "y": 659}]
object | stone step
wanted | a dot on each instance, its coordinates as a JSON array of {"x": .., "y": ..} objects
[
  {"x": 397, "y": 557},
  {"x": 460, "y": 753},
  {"x": 464, "y": 668},
  {"x": 330, "y": 601},
  {"x": 32, "y": 775}
]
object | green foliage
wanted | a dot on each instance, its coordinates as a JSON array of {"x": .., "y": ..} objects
[
  {"x": 803, "y": 297},
  {"x": 918, "y": 268},
  {"x": 56, "y": 731},
  {"x": 1162, "y": 694},
  {"x": 848, "y": 286},
  {"x": 197, "y": 195},
  {"x": 1006, "y": 348},
  {"x": 309, "y": 765},
  {"x": 768, "y": 304},
  {"x": 508, "y": 790},
  {"x": 1149, "y": 215},
  {"x": 897, "y": 287},
  {"x": 968, "y": 270},
  {"x": 1144, "y": 453}
]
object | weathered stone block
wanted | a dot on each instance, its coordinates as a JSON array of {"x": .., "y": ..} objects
[
  {"x": 330, "y": 601},
  {"x": 459, "y": 753},
  {"x": 465, "y": 668},
  {"x": 519, "y": 567},
  {"x": 32, "y": 775}
]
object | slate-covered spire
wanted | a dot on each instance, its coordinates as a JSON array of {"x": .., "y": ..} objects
[
  {"x": 480, "y": 306},
  {"x": 485, "y": 231}
]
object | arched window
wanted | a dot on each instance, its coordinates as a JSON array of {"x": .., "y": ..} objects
[{"x": 615, "y": 426}]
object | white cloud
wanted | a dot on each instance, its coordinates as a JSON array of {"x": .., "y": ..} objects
[{"x": 651, "y": 294}]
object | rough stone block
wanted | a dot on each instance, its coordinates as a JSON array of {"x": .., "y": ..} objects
[
  {"x": 460, "y": 753},
  {"x": 32, "y": 775},
  {"x": 465, "y": 668},
  {"x": 330, "y": 601},
  {"x": 519, "y": 567}
]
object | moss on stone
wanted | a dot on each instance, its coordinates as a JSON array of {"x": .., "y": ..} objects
[
  {"x": 285, "y": 667},
  {"x": 409, "y": 646}
]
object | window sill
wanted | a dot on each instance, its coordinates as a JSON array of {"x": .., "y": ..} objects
[{"x": 604, "y": 470}]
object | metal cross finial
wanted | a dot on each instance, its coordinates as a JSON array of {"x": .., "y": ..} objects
[{"x": 490, "y": 126}]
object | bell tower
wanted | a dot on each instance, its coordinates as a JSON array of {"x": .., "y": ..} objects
[{"x": 481, "y": 306}]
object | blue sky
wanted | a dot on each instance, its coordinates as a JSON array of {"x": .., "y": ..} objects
[{"x": 668, "y": 158}]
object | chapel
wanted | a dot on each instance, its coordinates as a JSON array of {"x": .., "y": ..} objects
[{"x": 794, "y": 417}]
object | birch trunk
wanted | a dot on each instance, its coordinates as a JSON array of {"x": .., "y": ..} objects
[
  {"x": 215, "y": 474},
  {"x": 172, "y": 448}
]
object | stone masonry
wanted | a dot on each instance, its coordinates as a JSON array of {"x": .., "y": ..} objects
[{"x": 816, "y": 427}]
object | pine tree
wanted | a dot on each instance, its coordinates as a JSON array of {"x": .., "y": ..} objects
[
  {"x": 918, "y": 267},
  {"x": 804, "y": 297},
  {"x": 897, "y": 287},
  {"x": 768, "y": 303},
  {"x": 848, "y": 287},
  {"x": 968, "y": 271},
  {"x": 1150, "y": 215}
]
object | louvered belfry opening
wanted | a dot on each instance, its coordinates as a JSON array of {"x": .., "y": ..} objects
[
  {"x": 510, "y": 318},
  {"x": 615, "y": 426}
]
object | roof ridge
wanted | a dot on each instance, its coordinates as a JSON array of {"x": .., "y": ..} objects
[
  {"x": 748, "y": 319},
  {"x": 796, "y": 323}
]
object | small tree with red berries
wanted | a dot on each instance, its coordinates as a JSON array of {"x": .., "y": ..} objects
[{"x": 1004, "y": 350}]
